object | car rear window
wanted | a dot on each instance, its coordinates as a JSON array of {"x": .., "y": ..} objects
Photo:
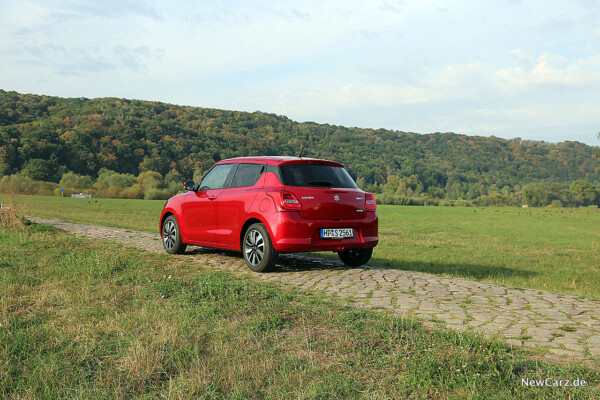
[{"x": 315, "y": 175}]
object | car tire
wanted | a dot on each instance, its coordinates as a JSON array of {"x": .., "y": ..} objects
[
  {"x": 171, "y": 236},
  {"x": 355, "y": 257},
  {"x": 257, "y": 249}
]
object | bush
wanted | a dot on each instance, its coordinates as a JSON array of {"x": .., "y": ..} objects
[
  {"x": 73, "y": 180},
  {"x": 45, "y": 188},
  {"x": 156, "y": 194},
  {"x": 150, "y": 180},
  {"x": 174, "y": 177},
  {"x": 113, "y": 192},
  {"x": 384, "y": 198},
  {"x": 175, "y": 188},
  {"x": 17, "y": 184},
  {"x": 133, "y": 192},
  {"x": 556, "y": 204},
  {"x": 110, "y": 178}
]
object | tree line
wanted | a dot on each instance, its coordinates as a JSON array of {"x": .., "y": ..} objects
[{"x": 51, "y": 139}]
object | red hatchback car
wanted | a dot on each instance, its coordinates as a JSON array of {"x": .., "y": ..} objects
[{"x": 263, "y": 206}]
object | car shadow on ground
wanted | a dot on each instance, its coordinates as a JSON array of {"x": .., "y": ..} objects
[
  {"x": 301, "y": 262},
  {"x": 468, "y": 271},
  {"x": 286, "y": 263}
]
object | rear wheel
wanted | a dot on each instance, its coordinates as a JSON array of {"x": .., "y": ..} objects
[
  {"x": 355, "y": 257},
  {"x": 259, "y": 254},
  {"x": 171, "y": 236}
]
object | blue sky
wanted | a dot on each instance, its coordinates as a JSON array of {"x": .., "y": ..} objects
[{"x": 507, "y": 68}]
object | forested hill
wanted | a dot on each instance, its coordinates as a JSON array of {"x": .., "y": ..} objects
[{"x": 131, "y": 136}]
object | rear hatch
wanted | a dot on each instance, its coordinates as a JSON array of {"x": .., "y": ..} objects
[
  {"x": 330, "y": 203},
  {"x": 325, "y": 190}
]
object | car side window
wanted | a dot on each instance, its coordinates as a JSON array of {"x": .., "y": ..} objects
[
  {"x": 216, "y": 178},
  {"x": 247, "y": 175}
]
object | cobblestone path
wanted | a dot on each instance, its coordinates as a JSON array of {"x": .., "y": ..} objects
[{"x": 569, "y": 326}]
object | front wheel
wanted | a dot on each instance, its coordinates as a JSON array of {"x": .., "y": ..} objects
[
  {"x": 355, "y": 257},
  {"x": 171, "y": 236},
  {"x": 259, "y": 254}
]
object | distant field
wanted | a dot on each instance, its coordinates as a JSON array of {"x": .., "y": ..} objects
[
  {"x": 141, "y": 215},
  {"x": 549, "y": 249}
]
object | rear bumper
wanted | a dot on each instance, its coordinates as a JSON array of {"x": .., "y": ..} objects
[{"x": 292, "y": 233}]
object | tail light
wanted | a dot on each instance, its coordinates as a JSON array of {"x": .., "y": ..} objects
[
  {"x": 286, "y": 201},
  {"x": 370, "y": 204}
]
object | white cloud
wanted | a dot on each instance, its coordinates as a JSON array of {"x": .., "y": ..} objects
[
  {"x": 549, "y": 69},
  {"x": 449, "y": 83}
]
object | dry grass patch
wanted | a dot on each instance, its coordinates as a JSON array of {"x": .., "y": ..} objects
[{"x": 11, "y": 213}]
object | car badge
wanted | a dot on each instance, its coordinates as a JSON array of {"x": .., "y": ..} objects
[{"x": 336, "y": 197}]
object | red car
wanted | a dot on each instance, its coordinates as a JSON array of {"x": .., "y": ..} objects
[{"x": 263, "y": 206}]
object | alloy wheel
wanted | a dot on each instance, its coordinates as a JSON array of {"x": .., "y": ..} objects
[
  {"x": 169, "y": 234},
  {"x": 254, "y": 247}
]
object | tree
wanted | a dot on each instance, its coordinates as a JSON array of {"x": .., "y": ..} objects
[
  {"x": 73, "y": 180},
  {"x": 598, "y": 152},
  {"x": 360, "y": 182},
  {"x": 41, "y": 170},
  {"x": 583, "y": 193},
  {"x": 129, "y": 136},
  {"x": 4, "y": 170},
  {"x": 150, "y": 180},
  {"x": 111, "y": 178},
  {"x": 536, "y": 194},
  {"x": 392, "y": 184},
  {"x": 174, "y": 182}
]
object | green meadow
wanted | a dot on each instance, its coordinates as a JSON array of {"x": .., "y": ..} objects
[
  {"x": 83, "y": 319},
  {"x": 556, "y": 249}
]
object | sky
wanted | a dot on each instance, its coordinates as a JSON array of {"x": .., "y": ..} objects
[{"x": 506, "y": 68}]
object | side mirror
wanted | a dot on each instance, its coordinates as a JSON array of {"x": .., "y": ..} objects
[{"x": 189, "y": 185}]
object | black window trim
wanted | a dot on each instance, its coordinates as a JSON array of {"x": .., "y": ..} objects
[
  {"x": 275, "y": 170},
  {"x": 232, "y": 172}
]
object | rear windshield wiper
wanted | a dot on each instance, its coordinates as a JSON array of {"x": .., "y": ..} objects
[{"x": 321, "y": 183}]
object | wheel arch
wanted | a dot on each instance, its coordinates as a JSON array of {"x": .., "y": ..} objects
[
  {"x": 162, "y": 220},
  {"x": 247, "y": 223}
]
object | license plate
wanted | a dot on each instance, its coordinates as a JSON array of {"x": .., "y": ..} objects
[{"x": 337, "y": 233}]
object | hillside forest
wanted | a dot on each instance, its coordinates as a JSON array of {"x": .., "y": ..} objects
[{"x": 111, "y": 147}]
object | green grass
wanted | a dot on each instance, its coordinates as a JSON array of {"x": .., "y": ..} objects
[
  {"x": 82, "y": 319},
  {"x": 141, "y": 215},
  {"x": 548, "y": 249}
]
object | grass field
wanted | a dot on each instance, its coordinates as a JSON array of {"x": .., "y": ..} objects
[
  {"x": 82, "y": 319},
  {"x": 549, "y": 249}
]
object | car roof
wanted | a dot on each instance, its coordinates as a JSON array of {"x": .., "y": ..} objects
[{"x": 279, "y": 160}]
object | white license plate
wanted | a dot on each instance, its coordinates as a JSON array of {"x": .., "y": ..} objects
[{"x": 337, "y": 233}]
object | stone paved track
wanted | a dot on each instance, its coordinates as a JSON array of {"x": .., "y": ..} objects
[{"x": 568, "y": 325}]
